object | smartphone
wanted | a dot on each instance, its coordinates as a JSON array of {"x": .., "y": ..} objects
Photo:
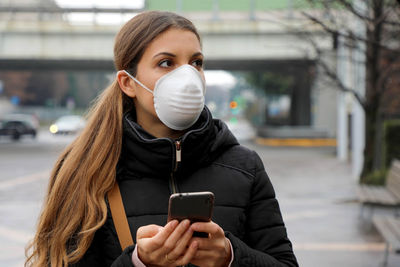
[{"x": 195, "y": 206}]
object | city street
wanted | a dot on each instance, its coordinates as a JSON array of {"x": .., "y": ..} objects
[{"x": 315, "y": 191}]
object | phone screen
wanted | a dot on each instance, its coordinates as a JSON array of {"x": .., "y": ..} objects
[{"x": 193, "y": 206}]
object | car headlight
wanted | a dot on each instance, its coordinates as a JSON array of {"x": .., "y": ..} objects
[{"x": 53, "y": 128}]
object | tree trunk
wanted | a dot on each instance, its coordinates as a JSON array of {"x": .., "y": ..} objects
[
  {"x": 370, "y": 133},
  {"x": 373, "y": 92}
]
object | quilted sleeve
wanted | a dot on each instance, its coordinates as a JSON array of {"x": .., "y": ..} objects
[{"x": 266, "y": 242}]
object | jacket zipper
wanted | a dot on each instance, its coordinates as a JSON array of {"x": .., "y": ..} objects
[{"x": 177, "y": 161}]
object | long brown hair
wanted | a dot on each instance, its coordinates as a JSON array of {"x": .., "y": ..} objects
[{"x": 75, "y": 205}]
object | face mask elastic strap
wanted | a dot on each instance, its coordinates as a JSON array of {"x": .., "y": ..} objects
[{"x": 136, "y": 80}]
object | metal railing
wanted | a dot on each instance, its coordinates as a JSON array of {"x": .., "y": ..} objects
[{"x": 215, "y": 10}]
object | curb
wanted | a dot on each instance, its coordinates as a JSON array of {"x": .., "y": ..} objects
[{"x": 297, "y": 142}]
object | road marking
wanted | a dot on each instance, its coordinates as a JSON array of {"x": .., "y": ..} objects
[
  {"x": 297, "y": 142},
  {"x": 24, "y": 179},
  {"x": 377, "y": 246}
]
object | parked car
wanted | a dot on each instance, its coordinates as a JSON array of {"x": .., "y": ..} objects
[
  {"x": 69, "y": 124},
  {"x": 17, "y": 125}
]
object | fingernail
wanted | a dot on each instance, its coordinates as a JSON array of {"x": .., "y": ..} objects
[{"x": 174, "y": 223}]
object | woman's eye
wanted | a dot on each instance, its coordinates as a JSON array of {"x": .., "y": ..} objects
[
  {"x": 197, "y": 63},
  {"x": 165, "y": 63}
]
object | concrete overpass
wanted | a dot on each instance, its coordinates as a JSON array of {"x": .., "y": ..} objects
[{"x": 235, "y": 44}]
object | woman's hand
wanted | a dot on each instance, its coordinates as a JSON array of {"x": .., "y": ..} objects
[
  {"x": 214, "y": 250},
  {"x": 166, "y": 246}
]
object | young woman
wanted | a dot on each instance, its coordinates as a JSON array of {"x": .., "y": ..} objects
[{"x": 151, "y": 133}]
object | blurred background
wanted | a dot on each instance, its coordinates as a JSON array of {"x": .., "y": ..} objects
[{"x": 312, "y": 86}]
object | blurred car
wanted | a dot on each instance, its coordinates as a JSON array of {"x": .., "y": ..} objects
[
  {"x": 70, "y": 124},
  {"x": 17, "y": 125}
]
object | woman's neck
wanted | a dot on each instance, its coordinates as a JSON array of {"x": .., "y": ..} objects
[{"x": 156, "y": 128}]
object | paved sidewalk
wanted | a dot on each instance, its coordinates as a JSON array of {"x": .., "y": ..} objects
[{"x": 318, "y": 201}]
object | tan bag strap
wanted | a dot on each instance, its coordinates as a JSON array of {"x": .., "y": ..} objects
[{"x": 119, "y": 217}]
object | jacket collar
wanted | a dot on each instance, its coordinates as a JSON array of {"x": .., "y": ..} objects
[{"x": 147, "y": 156}]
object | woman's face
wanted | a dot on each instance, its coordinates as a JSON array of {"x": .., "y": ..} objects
[{"x": 170, "y": 50}]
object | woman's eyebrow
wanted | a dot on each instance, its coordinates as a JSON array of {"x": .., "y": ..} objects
[
  {"x": 173, "y": 55},
  {"x": 197, "y": 54},
  {"x": 164, "y": 54}
]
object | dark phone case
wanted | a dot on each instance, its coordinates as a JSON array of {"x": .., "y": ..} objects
[{"x": 197, "y": 207}]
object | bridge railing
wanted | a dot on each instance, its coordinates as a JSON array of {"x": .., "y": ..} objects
[
  {"x": 216, "y": 7},
  {"x": 205, "y": 10}
]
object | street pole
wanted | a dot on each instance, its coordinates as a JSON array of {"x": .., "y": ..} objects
[
  {"x": 342, "y": 118},
  {"x": 358, "y": 122}
]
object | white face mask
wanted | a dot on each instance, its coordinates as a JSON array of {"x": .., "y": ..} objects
[{"x": 178, "y": 97}]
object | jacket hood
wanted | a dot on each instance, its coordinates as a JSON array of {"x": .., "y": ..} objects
[{"x": 144, "y": 155}]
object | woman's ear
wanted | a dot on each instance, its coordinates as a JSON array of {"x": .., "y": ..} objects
[{"x": 127, "y": 85}]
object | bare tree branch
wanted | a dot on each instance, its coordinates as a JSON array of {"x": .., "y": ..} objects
[
  {"x": 383, "y": 19},
  {"x": 349, "y": 35},
  {"x": 387, "y": 73},
  {"x": 331, "y": 74},
  {"x": 349, "y": 6},
  {"x": 382, "y": 64}
]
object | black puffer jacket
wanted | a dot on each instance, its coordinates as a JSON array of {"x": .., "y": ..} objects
[{"x": 211, "y": 160}]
